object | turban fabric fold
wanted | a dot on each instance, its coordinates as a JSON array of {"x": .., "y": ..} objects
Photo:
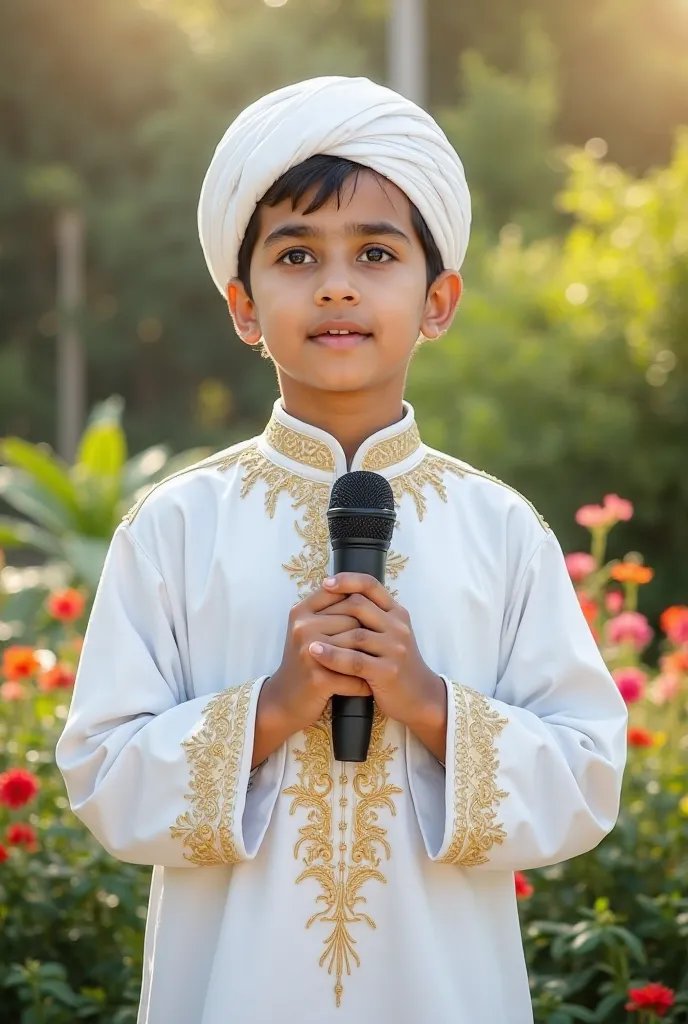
[{"x": 352, "y": 118}]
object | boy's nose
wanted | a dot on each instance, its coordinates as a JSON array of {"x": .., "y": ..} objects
[{"x": 336, "y": 291}]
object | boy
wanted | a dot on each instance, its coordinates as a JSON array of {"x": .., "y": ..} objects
[{"x": 287, "y": 886}]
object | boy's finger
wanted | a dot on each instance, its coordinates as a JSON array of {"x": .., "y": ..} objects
[
  {"x": 319, "y": 600},
  {"x": 359, "y": 639},
  {"x": 360, "y": 583},
  {"x": 345, "y": 663},
  {"x": 365, "y": 611},
  {"x": 330, "y": 624}
]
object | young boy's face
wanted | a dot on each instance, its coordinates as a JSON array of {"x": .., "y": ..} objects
[{"x": 361, "y": 266}]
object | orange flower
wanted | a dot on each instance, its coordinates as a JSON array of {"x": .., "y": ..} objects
[
  {"x": 19, "y": 663},
  {"x": 17, "y": 787},
  {"x": 523, "y": 887},
  {"x": 22, "y": 834},
  {"x": 631, "y": 572},
  {"x": 589, "y": 607},
  {"x": 61, "y": 677},
  {"x": 676, "y": 661},
  {"x": 66, "y": 605},
  {"x": 674, "y": 622}
]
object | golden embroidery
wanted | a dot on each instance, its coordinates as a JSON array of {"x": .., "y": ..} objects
[
  {"x": 392, "y": 450},
  {"x": 310, "y": 451},
  {"x": 214, "y": 754},
  {"x": 310, "y": 566},
  {"x": 476, "y": 796},
  {"x": 342, "y": 873},
  {"x": 429, "y": 471}
]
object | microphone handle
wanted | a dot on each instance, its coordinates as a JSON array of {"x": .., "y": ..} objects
[{"x": 352, "y": 717}]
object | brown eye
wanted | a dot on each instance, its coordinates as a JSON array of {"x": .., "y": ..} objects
[
  {"x": 299, "y": 258},
  {"x": 377, "y": 255}
]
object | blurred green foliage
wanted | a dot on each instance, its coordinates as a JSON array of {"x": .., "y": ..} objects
[
  {"x": 566, "y": 370},
  {"x": 69, "y": 513}
]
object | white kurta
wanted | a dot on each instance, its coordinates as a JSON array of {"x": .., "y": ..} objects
[{"x": 320, "y": 892}]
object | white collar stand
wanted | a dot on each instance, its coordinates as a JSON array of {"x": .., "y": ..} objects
[{"x": 312, "y": 452}]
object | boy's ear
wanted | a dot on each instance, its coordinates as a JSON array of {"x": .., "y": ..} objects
[
  {"x": 244, "y": 313},
  {"x": 443, "y": 298}
]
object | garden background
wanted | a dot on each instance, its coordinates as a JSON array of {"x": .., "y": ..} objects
[{"x": 565, "y": 374}]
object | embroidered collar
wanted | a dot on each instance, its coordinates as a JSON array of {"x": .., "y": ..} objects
[{"x": 298, "y": 445}]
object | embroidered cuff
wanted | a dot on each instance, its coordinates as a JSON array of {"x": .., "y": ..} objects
[
  {"x": 215, "y": 754},
  {"x": 472, "y": 792}
]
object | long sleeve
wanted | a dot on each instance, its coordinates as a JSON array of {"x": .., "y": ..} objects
[
  {"x": 156, "y": 777},
  {"x": 533, "y": 774}
]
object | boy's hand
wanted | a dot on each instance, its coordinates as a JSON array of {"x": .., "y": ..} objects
[
  {"x": 382, "y": 650},
  {"x": 297, "y": 693}
]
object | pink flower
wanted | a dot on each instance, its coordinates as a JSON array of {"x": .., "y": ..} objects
[
  {"x": 665, "y": 688},
  {"x": 630, "y": 628},
  {"x": 580, "y": 565},
  {"x": 592, "y": 516},
  {"x": 614, "y": 510},
  {"x": 621, "y": 509},
  {"x": 614, "y": 601},
  {"x": 631, "y": 682},
  {"x": 12, "y": 690}
]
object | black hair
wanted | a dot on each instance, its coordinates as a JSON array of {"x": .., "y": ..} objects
[{"x": 330, "y": 173}]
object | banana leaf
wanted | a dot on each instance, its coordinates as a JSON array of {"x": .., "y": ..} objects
[{"x": 49, "y": 472}]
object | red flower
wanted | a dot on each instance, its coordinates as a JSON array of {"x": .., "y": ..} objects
[
  {"x": 17, "y": 787},
  {"x": 66, "y": 605},
  {"x": 657, "y": 998},
  {"x": 21, "y": 834},
  {"x": 60, "y": 677},
  {"x": 3, "y": 854},
  {"x": 639, "y": 737},
  {"x": 523, "y": 887},
  {"x": 19, "y": 663}
]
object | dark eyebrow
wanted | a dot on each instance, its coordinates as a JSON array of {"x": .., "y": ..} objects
[{"x": 381, "y": 227}]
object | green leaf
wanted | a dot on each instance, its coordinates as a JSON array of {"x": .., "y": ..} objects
[
  {"x": 103, "y": 450},
  {"x": 25, "y": 495},
  {"x": 633, "y": 943},
  {"x": 610, "y": 1002},
  {"x": 17, "y": 533},
  {"x": 46, "y": 469},
  {"x": 580, "y": 1013}
]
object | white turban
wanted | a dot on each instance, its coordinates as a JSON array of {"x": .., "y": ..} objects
[{"x": 352, "y": 118}]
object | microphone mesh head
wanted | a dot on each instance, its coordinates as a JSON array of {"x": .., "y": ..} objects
[{"x": 362, "y": 490}]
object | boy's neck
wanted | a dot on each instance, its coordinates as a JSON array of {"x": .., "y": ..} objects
[{"x": 351, "y": 418}]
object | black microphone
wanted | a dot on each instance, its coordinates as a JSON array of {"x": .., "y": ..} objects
[{"x": 361, "y": 521}]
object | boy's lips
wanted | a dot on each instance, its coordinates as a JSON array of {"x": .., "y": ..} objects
[
  {"x": 356, "y": 334},
  {"x": 340, "y": 342}
]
